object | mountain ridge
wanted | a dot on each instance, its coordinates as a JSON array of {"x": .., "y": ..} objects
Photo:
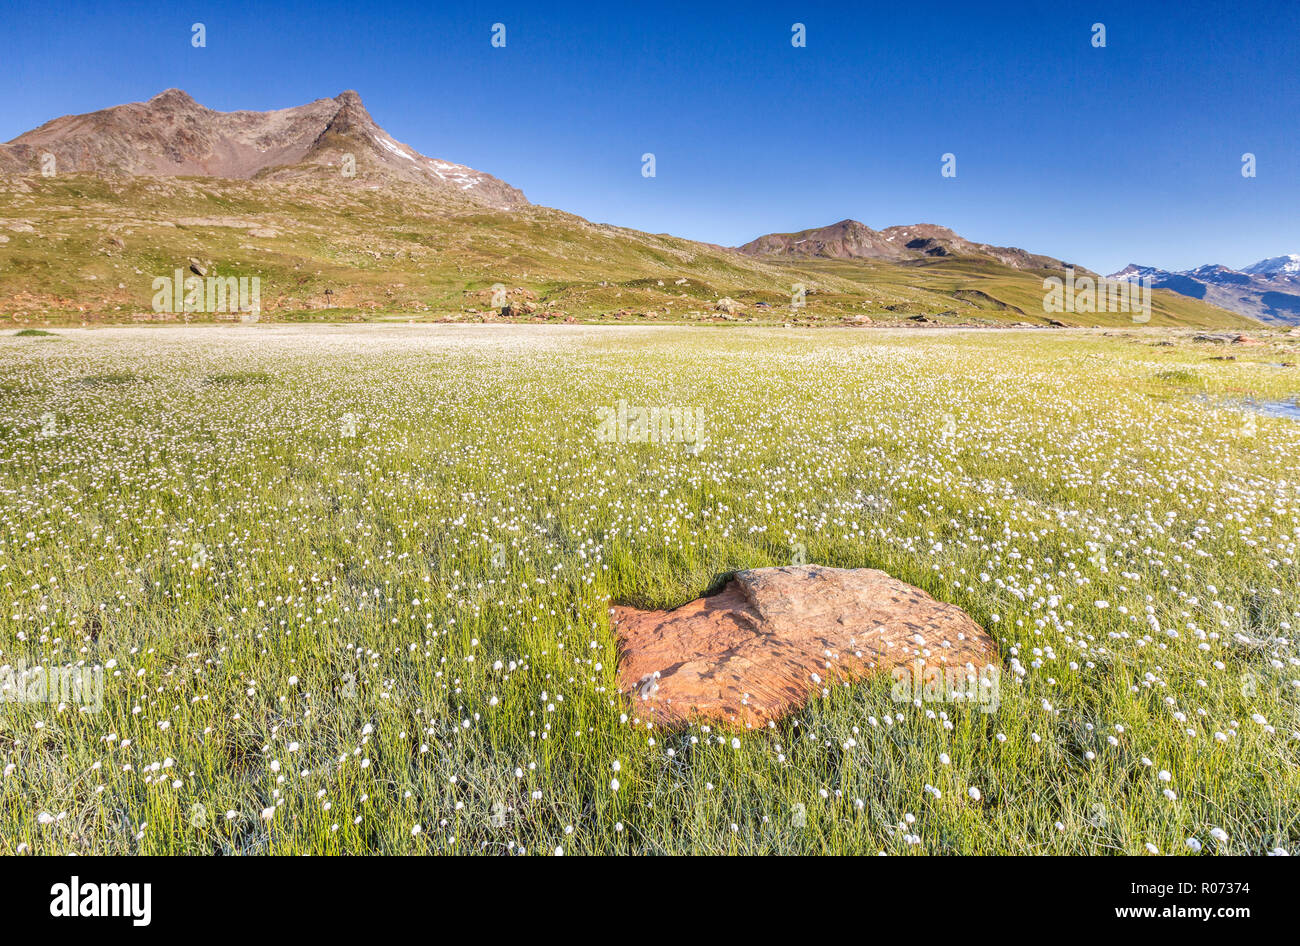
[
  {"x": 172, "y": 135},
  {"x": 852, "y": 239},
  {"x": 1268, "y": 290},
  {"x": 143, "y": 188}
]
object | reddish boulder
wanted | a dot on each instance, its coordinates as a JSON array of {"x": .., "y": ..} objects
[{"x": 775, "y": 636}]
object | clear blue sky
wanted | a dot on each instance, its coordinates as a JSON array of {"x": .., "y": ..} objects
[{"x": 1130, "y": 153}]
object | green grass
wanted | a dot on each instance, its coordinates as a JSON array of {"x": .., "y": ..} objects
[
  {"x": 371, "y": 592},
  {"x": 96, "y": 246},
  {"x": 239, "y": 378},
  {"x": 109, "y": 379},
  {"x": 33, "y": 333}
]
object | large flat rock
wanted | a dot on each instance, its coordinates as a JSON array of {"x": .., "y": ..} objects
[{"x": 775, "y": 636}]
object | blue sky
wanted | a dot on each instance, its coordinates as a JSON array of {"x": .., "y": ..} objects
[{"x": 1131, "y": 153}]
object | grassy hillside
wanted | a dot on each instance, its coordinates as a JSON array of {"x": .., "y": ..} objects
[
  {"x": 975, "y": 290},
  {"x": 83, "y": 248}
]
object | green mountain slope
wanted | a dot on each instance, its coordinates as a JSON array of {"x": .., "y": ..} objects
[{"x": 88, "y": 248}]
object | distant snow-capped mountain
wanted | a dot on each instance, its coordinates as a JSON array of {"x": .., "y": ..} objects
[
  {"x": 1275, "y": 265},
  {"x": 1268, "y": 290}
]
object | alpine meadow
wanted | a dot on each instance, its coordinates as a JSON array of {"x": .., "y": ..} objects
[
  {"x": 348, "y": 589},
  {"x": 691, "y": 431}
]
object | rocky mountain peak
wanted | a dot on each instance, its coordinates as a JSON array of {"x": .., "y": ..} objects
[
  {"x": 171, "y": 134},
  {"x": 851, "y": 239},
  {"x": 172, "y": 97}
]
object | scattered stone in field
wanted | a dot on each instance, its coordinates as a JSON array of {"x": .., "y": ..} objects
[
  {"x": 1225, "y": 338},
  {"x": 263, "y": 233},
  {"x": 197, "y": 268},
  {"x": 774, "y": 636},
  {"x": 511, "y": 309},
  {"x": 234, "y": 222}
]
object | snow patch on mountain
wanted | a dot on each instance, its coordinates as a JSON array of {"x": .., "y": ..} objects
[
  {"x": 1275, "y": 265},
  {"x": 391, "y": 145},
  {"x": 1268, "y": 290}
]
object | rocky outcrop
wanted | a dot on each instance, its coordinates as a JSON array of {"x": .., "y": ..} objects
[
  {"x": 332, "y": 139},
  {"x": 850, "y": 239},
  {"x": 774, "y": 636}
]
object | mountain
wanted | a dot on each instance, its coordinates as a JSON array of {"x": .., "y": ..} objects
[
  {"x": 173, "y": 135},
  {"x": 1288, "y": 265},
  {"x": 850, "y": 239},
  {"x": 1268, "y": 290},
  {"x": 142, "y": 190}
]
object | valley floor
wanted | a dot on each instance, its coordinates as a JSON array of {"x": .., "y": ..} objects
[{"x": 278, "y": 589}]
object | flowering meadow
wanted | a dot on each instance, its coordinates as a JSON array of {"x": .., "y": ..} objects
[{"x": 346, "y": 589}]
